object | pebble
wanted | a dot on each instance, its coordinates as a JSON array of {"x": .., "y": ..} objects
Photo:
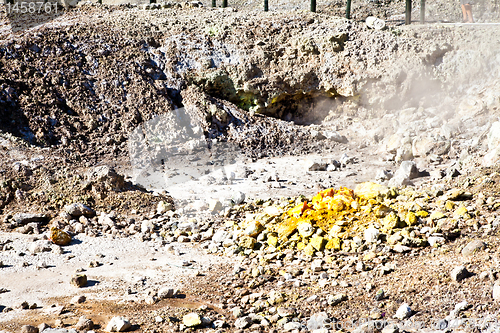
[
  {"x": 118, "y": 324},
  {"x": 243, "y": 322},
  {"x": 371, "y": 235},
  {"x": 459, "y": 273},
  {"x": 403, "y": 312},
  {"x": 79, "y": 280},
  {"x": 29, "y": 329},
  {"x": 78, "y": 299},
  {"x": 496, "y": 291},
  {"x": 78, "y": 209},
  {"x": 191, "y": 319},
  {"x": 473, "y": 247},
  {"x": 291, "y": 326},
  {"x": 337, "y": 299},
  {"x": 167, "y": 292},
  {"x": 84, "y": 324}
]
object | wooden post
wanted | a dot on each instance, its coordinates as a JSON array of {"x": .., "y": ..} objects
[
  {"x": 408, "y": 12},
  {"x": 313, "y": 6},
  {"x": 224, "y": 3},
  {"x": 422, "y": 11},
  {"x": 266, "y": 5},
  {"x": 348, "y": 10}
]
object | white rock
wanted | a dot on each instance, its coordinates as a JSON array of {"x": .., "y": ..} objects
[
  {"x": 167, "y": 292},
  {"x": 403, "y": 312},
  {"x": 494, "y": 135},
  {"x": 375, "y": 23},
  {"x": 118, "y": 324},
  {"x": 496, "y": 291},
  {"x": 371, "y": 235},
  {"x": 305, "y": 229},
  {"x": 435, "y": 241},
  {"x": 291, "y": 326},
  {"x": 238, "y": 198}
]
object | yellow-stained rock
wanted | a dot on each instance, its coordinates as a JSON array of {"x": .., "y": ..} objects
[
  {"x": 59, "y": 237},
  {"x": 253, "y": 228},
  {"x": 247, "y": 242},
  {"x": 392, "y": 221},
  {"x": 411, "y": 219},
  {"x": 422, "y": 213},
  {"x": 460, "y": 212},
  {"x": 309, "y": 250},
  {"x": 449, "y": 205},
  {"x": 300, "y": 246},
  {"x": 437, "y": 215},
  {"x": 334, "y": 244},
  {"x": 318, "y": 243},
  {"x": 369, "y": 190},
  {"x": 370, "y": 256},
  {"x": 272, "y": 240}
]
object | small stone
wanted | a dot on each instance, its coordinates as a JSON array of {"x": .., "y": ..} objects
[
  {"x": 164, "y": 207},
  {"x": 40, "y": 246},
  {"x": 42, "y": 327},
  {"x": 291, "y": 326},
  {"x": 309, "y": 250},
  {"x": 337, "y": 299},
  {"x": 403, "y": 312},
  {"x": 316, "y": 265},
  {"x": 247, "y": 242},
  {"x": 78, "y": 299},
  {"x": 473, "y": 247},
  {"x": 29, "y": 329},
  {"x": 496, "y": 291},
  {"x": 215, "y": 206},
  {"x": 79, "y": 280},
  {"x": 59, "y": 237},
  {"x": 238, "y": 198},
  {"x": 78, "y": 209},
  {"x": 167, "y": 292},
  {"x": 254, "y": 228},
  {"x": 435, "y": 241},
  {"x": 25, "y": 218},
  {"x": 437, "y": 215},
  {"x": 118, "y": 324},
  {"x": 371, "y": 235},
  {"x": 305, "y": 229},
  {"x": 286, "y": 312},
  {"x": 25, "y": 305},
  {"x": 459, "y": 273},
  {"x": 192, "y": 319},
  {"x": 318, "y": 243},
  {"x": 243, "y": 322},
  {"x": 370, "y": 190},
  {"x": 399, "y": 248},
  {"x": 380, "y": 295},
  {"x": 84, "y": 324},
  {"x": 391, "y": 328},
  {"x": 275, "y": 297}
]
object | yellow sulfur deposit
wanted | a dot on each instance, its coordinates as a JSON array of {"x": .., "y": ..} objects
[{"x": 333, "y": 217}]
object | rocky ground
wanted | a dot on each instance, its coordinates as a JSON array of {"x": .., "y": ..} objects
[{"x": 182, "y": 168}]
